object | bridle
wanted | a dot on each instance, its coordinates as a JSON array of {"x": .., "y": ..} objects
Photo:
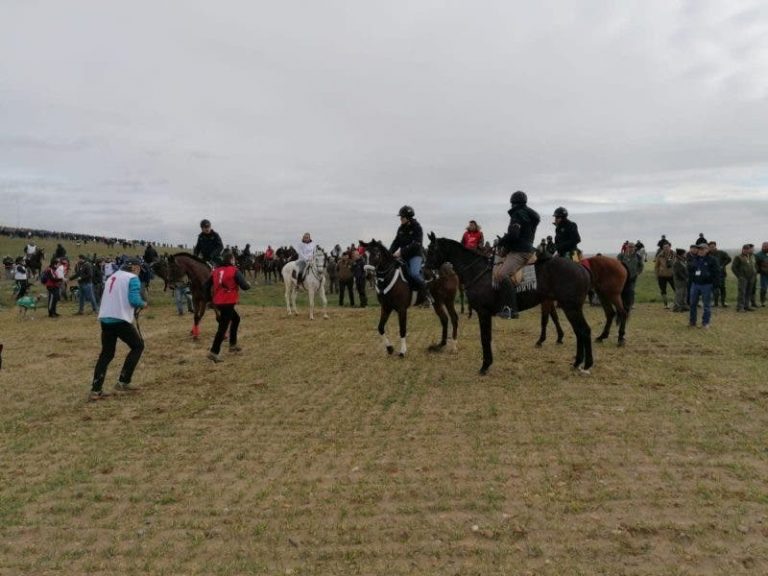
[{"x": 462, "y": 271}]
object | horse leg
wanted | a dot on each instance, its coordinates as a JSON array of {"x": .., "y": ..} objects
[
  {"x": 583, "y": 338},
  {"x": 461, "y": 297},
  {"x": 437, "y": 306},
  {"x": 556, "y": 322},
  {"x": 609, "y": 315},
  {"x": 546, "y": 308},
  {"x": 622, "y": 319},
  {"x": 451, "y": 306},
  {"x": 385, "y": 312},
  {"x": 311, "y": 294},
  {"x": 324, "y": 299},
  {"x": 402, "y": 317},
  {"x": 486, "y": 333},
  {"x": 288, "y": 291}
]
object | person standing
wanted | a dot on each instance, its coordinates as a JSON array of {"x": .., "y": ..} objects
[
  {"x": 21, "y": 277},
  {"x": 703, "y": 273},
  {"x": 84, "y": 276},
  {"x": 52, "y": 284},
  {"x": 665, "y": 260},
  {"x": 225, "y": 284},
  {"x": 634, "y": 264},
  {"x": 120, "y": 304},
  {"x": 718, "y": 287},
  {"x": 566, "y": 235},
  {"x": 518, "y": 244},
  {"x": 680, "y": 278},
  {"x": 473, "y": 238},
  {"x": 150, "y": 254},
  {"x": 209, "y": 244},
  {"x": 744, "y": 269},
  {"x": 358, "y": 270},
  {"x": 761, "y": 264},
  {"x": 346, "y": 279}
]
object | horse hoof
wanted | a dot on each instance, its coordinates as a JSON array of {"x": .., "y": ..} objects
[
  {"x": 621, "y": 343},
  {"x": 559, "y": 342},
  {"x": 390, "y": 349},
  {"x": 483, "y": 371},
  {"x": 326, "y": 317},
  {"x": 584, "y": 371},
  {"x": 539, "y": 343},
  {"x": 599, "y": 339},
  {"x": 402, "y": 354}
]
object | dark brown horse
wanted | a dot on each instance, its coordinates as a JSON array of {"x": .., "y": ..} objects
[
  {"x": 557, "y": 280},
  {"x": 35, "y": 263},
  {"x": 608, "y": 277},
  {"x": 443, "y": 288},
  {"x": 395, "y": 295},
  {"x": 197, "y": 271}
]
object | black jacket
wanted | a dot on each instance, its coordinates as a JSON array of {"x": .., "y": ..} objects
[
  {"x": 209, "y": 246},
  {"x": 703, "y": 270},
  {"x": 408, "y": 239},
  {"x": 566, "y": 237},
  {"x": 522, "y": 229}
]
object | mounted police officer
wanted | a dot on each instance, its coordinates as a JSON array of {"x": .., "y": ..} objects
[
  {"x": 519, "y": 247},
  {"x": 566, "y": 234},
  {"x": 209, "y": 244},
  {"x": 408, "y": 245}
]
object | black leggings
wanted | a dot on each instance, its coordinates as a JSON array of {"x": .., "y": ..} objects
[
  {"x": 110, "y": 333},
  {"x": 228, "y": 318},
  {"x": 665, "y": 281}
]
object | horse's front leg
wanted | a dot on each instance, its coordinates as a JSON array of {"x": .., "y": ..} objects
[
  {"x": 545, "y": 309},
  {"x": 440, "y": 311},
  {"x": 324, "y": 299},
  {"x": 556, "y": 322},
  {"x": 311, "y": 294},
  {"x": 385, "y": 312},
  {"x": 486, "y": 333},
  {"x": 402, "y": 316},
  {"x": 288, "y": 291}
]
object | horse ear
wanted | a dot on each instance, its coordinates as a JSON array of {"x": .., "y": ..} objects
[{"x": 431, "y": 236}]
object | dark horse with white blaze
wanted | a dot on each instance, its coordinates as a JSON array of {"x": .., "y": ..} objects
[
  {"x": 197, "y": 271},
  {"x": 395, "y": 295},
  {"x": 557, "y": 280}
]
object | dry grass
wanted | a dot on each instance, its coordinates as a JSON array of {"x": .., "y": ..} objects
[{"x": 315, "y": 453}]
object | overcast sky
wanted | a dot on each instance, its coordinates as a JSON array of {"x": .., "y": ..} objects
[{"x": 139, "y": 118}]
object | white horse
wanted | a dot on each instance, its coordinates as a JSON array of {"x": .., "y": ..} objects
[{"x": 314, "y": 282}]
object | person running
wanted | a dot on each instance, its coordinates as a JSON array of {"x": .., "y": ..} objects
[
  {"x": 118, "y": 310},
  {"x": 224, "y": 283},
  {"x": 209, "y": 244}
]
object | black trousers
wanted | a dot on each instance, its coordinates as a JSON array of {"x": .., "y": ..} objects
[
  {"x": 110, "y": 334},
  {"x": 360, "y": 285},
  {"x": 346, "y": 285},
  {"x": 53, "y": 300},
  {"x": 228, "y": 318}
]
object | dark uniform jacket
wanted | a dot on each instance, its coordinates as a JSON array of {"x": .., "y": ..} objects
[
  {"x": 566, "y": 237},
  {"x": 703, "y": 270},
  {"x": 209, "y": 246},
  {"x": 408, "y": 239},
  {"x": 522, "y": 229}
]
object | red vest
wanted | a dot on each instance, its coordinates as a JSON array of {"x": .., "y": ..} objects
[
  {"x": 225, "y": 288},
  {"x": 472, "y": 240}
]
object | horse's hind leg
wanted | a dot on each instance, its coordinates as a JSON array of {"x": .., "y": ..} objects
[
  {"x": 311, "y": 294},
  {"x": 385, "y": 312},
  {"x": 486, "y": 334},
  {"x": 583, "y": 338},
  {"x": 324, "y": 300},
  {"x": 454, "y": 322},
  {"x": 440, "y": 311},
  {"x": 558, "y": 327},
  {"x": 609, "y": 315},
  {"x": 545, "y": 312}
]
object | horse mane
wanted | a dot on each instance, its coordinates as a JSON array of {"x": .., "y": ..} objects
[{"x": 190, "y": 256}]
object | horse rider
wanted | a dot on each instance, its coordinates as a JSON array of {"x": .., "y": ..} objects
[
  {"x": 472, "y": 238},
  {"x": 408, "y": 246},
  {"x": 566, "y": 234},
  {"x": 518, "y": 244},
  {"x": 306, "y": 252},
  {"x": 30, "y": 249},
  {"x": 209, "y": 244}
]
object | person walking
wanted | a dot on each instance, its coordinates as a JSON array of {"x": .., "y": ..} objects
[
  {"x": 680, "y": 279},
  {"x": 346, "y": 279},
  {"x": 84, "y": 276},
  {"x": 52, "y": 283},
  {"x": 225, "y": 284},
  {"x": 665, "y": 260},
  {"x": 761, "y": 264},
  {"x": 119, "y": 308}
]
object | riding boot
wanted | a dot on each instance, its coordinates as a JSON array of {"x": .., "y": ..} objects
[{"x": 508, "y": 296}]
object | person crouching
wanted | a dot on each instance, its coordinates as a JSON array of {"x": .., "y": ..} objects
[{"x": 224, "y": 283}]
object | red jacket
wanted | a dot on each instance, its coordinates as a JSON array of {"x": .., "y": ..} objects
[
  {"x": 225, "y": 288},
  {"x": 472, "y": 240},
  {"x": 55, "y": 282}
]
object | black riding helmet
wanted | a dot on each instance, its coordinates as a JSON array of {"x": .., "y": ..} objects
[
  {"x": 205, "y": 223},
  {"x": 406, "y": 212},
  {"x": 519, "y": 197},
  {"x": 560, "y": 212}
]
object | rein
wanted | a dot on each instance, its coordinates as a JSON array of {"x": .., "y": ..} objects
[{"x": 468, "y": 267}]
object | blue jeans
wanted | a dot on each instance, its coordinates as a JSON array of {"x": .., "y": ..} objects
[
  {"x": 180, "y": 298},
  {"x": 414, "y": 269},
  {"x": 705, "y": 291},
  {"x": 85, "y": 294}
]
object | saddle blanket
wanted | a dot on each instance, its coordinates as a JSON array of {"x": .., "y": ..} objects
[{"x": 528, "y": 279}]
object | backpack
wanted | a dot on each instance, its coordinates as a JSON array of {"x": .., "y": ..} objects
[{"x": 46, "y": 276}]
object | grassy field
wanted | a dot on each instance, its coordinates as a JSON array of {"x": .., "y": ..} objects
[{"x": 315, "y": 453}]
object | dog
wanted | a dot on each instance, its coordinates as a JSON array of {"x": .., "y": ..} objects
[{"x": 27, "y": 303}]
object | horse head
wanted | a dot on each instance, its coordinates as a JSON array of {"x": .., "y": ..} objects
[
  {"x": 435, "y": 254},
  {"x": 378, "y": 255}
]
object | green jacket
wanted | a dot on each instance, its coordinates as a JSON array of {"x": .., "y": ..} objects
[{"x": 744, "y": 266}]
